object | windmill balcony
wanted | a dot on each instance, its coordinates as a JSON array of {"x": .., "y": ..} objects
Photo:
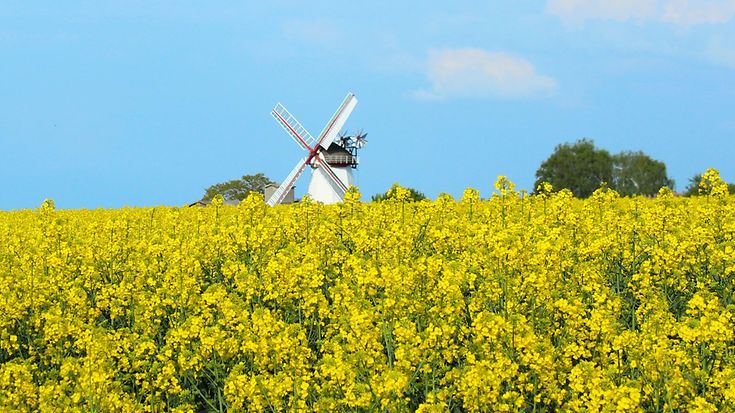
[{"x": 340, "y": 159}]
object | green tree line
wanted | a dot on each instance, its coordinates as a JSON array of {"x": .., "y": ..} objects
[{"x": 578, "y": 166}]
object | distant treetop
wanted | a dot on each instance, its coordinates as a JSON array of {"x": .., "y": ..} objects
[
  {"x": 238, "y": 189},
  {"x": 582, "y": 168}
]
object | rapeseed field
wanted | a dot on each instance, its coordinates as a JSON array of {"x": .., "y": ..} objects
[{"x": 515, "y": 302}]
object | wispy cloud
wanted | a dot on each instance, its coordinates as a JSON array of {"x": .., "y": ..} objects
[
  {"x": 577, "y": 11},
  {"x": 689, "y": 13},
  {"x": 478, "y": 73},
  {"x": 679, "y": 12},
  {"x": 316, "y": 32},
  {"x": 721, "y": 52}
]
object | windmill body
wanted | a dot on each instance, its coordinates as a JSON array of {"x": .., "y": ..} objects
[
  {"x": 331, "y": 156},
  {"x": 321, "y": 187}
]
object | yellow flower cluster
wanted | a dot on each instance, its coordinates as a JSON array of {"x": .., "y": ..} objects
[{"x": 511, "y": 303}]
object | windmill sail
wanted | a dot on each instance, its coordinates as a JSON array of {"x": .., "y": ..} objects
[
  {"x": 338, "y": 121},
  {"x": 292, "y": 126},
  {"x": 287, "y": 183}
]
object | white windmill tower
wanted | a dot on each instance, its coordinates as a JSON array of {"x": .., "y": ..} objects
[{"x": 331, "y": 156}]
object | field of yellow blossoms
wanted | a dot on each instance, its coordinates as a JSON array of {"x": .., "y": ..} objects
[{"x": 516, "y": 302}]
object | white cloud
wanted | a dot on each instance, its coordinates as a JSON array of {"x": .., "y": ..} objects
[
  {"x": 688, "y": 13},
  {"x": 576, "y": 11},
  {"x": 680, "y": 12},
  {"x": 477, "y": 73}
]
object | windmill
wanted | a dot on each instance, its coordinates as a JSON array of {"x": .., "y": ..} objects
[{"x": 331, "y": 156}]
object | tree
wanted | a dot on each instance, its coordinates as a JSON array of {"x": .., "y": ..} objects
[
  {"x": 582, "y": 168},
  {"x": 238, "y": 189},
  {"x": 635, "y": 173},
  {"x": 396, "y": 191},
  {"x": 693, "y": 187},
  {"x": 579, "y": 167}
]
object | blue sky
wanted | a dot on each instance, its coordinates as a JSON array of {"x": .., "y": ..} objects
[{"x": 134, "y": 103}]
